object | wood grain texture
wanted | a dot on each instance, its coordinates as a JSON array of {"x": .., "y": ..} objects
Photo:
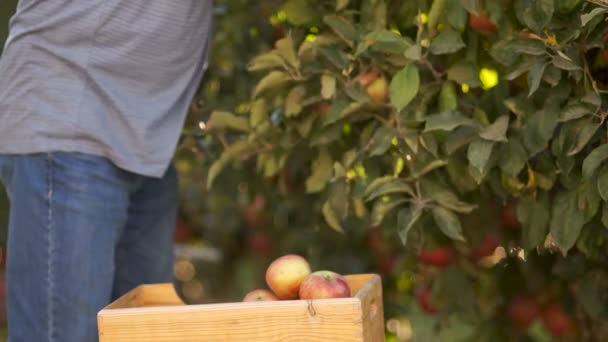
[{"x": 154, "y": 313}]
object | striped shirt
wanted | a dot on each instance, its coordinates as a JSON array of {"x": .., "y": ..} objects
[{"x": 112, "y": 78}]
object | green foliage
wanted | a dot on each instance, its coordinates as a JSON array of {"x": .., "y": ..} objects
[{"x": 413, "y": 117}]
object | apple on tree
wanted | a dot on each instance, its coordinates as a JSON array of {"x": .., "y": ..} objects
[
  {"x": 439, "y": 256},
  {"x": 323, "y": 285},
  {"x": 375, "y": 85},
  {"x": 523, "y": 310}
]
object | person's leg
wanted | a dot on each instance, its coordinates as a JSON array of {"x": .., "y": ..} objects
[
  {"x": 144, "y": 254},
  {"x": 66, "y": 211}
]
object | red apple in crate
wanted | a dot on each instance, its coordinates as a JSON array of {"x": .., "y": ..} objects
[
  {"x": 324, "y": 284},
  {"x": 285, "y": 274},
  {"x": 259, "y": 295}
]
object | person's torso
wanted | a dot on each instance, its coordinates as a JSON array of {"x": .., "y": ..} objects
[{"x": 112, "y": 77}]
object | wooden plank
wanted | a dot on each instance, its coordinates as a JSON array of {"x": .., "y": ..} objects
[
  {"x": 154, "y": 313},
  {"x": 336, "y": 320},
  {"x": 372, "y": 309}
]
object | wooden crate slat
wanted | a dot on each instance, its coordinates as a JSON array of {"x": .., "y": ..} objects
[{"x": 154, "y": 313}]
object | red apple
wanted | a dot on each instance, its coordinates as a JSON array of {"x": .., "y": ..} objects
[
  {"x": 323, "y": 108},
  {"x": 285, "y": 275},
  {"x": 509, "y": 217},
  {"x": 486, "y": 248},
  {"x": 260, "y": 243},
  {"x": 523, "y": 310},
  {"x": 557, "y": 321},
  {"x": 324, "y": 284},
  {"x": 481, "y": 22},
  {"x": 254, "y": 215},
  {"x": 378, "y": 90},
  {"x": 259, "y": 295},
  {"x": 424, "y": 299},
  {"x": 366, "y": 78},
  {"x": 440, "y": 256}
]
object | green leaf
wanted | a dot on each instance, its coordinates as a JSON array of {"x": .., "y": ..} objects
[
  {"x": 223, "y": 120},
  {"x": 215, "y": 169},
  {"x": 583, "y": 138},
  {"x": 335, "y": 56},
  {"x": 376, "y": 184},
  {"x": 574, "y": 111},
  {"x": 448, "y": 101},
  {"x": 267, "y": 60},
  {"x": 513, "y": 157},
  {"x": 497, "y": 131},
  {"x": 343, "y": 28},
  {"x": 293, "y": 101},
  {"x": 588, "y": 198},
  {"x": 507, "y": 51},
  {"x": 528, "y": 47},
  {"x": 341, "y": 4},
  {"x": 602, "y": 183},
  {"x": 539, "y": 129},
  {"x": 563, "y": 62},
  {"x": 587, "y": 17},
  {"x": 385, "y": 41},
  {"x": 448, "y": 41},
  {"x": 356, "y": 92},
  {"x": 534, "y": 215},
  {"x": 545, "y": 8},
  {"x": 326, "y": 135},
  {"x": 406, "y": 219},
  {"x": 259, "y": 113},
  {"x": 414, "y": 52},
  {"x": 594, "y": 160},
  {"x": 382, "y": 208},
  {"x": 447, "y": 121},
  {"x": 336, "y": 111},
  {"x": 331, "y": 218},
  {"x": 535, "y": 76},
  {"x": 321, "y": 172},
  {"x": 272, "y": 80},
  {"x": 592, "y": 98},
  {"x": 437, "y": 10},
  {"x": 381, "y": 141},
  {"x": 449, "y": 223},
  {"x": 395, "y": 186},
  {"x": 459, "y": 175},
  {"x": 328, "y": 86},
  {"x": 433, "y": 165},
  {"x": 231, "y": 152},
  {"x": 469, "y": 5},
  {"x": 404, "y": 86},
  {"x": 299, "y": 12},
  {"x": 479, "y": 154},
  {"x": 440, "y": 193},
  {"x": 457, "y": 15},
  {"x": 429, "y": 142},
  {"x": 285, "y": 47},
  {"x": 566, "y": 220},
  {"x": 464, "y": 72},
  {"x": 519, "y": 68}
]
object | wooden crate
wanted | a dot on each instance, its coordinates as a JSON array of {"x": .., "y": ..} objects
[{"x": 154, "y": 313}]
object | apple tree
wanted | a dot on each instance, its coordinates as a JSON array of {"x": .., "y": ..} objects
[{"x": 467, "y": 137}]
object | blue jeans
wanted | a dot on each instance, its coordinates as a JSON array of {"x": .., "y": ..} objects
[{"x": 82, "y": 232}]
